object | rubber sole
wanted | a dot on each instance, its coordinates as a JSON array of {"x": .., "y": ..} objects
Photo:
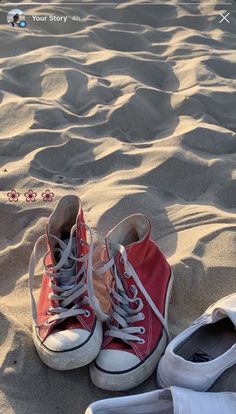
[
  {"x": 127, "y": 380},
  {"x": 75, "y": 358}
]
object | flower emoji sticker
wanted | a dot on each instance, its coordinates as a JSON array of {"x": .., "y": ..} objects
[
  {"x": 48, "y": 196},
  {"x": 13, "y": 196},
  {"x": 30, "y": 196}
]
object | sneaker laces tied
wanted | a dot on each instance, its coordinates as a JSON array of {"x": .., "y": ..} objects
[
  {"x": 72, "y": 285},
  {"x": 122, "y": 313}
]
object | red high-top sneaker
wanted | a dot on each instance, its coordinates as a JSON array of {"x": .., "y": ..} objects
[
  {"x": 136, "y": 334},
  {"x": 66, "y": 332}
]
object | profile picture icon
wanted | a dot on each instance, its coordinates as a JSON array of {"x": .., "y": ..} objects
[{"x": 16, "y": 18}]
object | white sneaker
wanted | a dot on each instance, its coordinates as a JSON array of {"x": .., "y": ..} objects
[
  {"x": 201, "y": 353},
  {"x": 174, "y": 400}
]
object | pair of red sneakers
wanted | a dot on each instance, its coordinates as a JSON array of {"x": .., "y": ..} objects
[{"x": 70, "y": 329}]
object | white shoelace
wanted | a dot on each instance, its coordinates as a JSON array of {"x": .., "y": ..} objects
[
  {"x": 72, "y": 285},
  {"x": 122, "y": 313}
]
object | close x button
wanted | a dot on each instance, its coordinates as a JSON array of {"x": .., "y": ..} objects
[{"x": 224, "y": 17}]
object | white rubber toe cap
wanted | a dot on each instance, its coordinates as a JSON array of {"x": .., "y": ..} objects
[
  {"x": 115, "y": 361},
  {"x": 66, "y": 340}
]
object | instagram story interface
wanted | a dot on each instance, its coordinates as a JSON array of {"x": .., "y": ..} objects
[{"x": 117, "y": 206}]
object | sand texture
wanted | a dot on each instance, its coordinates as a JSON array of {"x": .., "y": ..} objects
[{"x": 133, "y": 109}]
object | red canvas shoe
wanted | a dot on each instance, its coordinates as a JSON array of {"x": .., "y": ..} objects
[
  {"x": 66, "y": 331},
  {"x": 136, "y": 334}
]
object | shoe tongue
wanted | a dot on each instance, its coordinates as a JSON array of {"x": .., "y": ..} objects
[
  {"x": 69, "y": 266},
  {"x": 121, "y": 235}
]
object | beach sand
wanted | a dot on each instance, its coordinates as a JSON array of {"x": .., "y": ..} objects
[{"x": 133, "y": 109}]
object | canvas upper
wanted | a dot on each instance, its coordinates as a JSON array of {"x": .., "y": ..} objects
[
  {"x": 169, "y": 401},
  {"x": 138, "y": 291},
  {"x": 205, "y": 364},
  {"x": 63, "y": 318}
]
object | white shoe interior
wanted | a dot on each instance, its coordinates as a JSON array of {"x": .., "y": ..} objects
[{"x": 208, "y": 342}]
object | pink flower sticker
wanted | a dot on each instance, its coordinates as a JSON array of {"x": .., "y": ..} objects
[
  {"x": 13, "y": 196},
  {"x": 47, "y": 196},
  {"x": 30, "y": 196}
]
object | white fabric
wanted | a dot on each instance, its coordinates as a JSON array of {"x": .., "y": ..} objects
[
  {"x": 66, "y": 339},
  {"x": 114, "y": 360},
  {"x": 192, "y": 402},
  {"x": 175, "y": 370},
  {"x": 147, "y": 403},
  {"x": 169, "y": 401},
  {"x": 225, "y": 306}
]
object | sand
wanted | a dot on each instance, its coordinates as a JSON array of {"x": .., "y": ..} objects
[{"x": 133, "y": 109}]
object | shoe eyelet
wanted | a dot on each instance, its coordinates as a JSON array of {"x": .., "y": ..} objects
[
  {"x": 141, "y": 341},
  {"x": 142, "y": 330},
  {"x": 121, "y": 260},
  {"x": 142, "y": 316},
  {"x": 132, "y": 287},
  {"x": 48, "y": 323},
  {"x": 50, "y": 296},
  {"x": 49, "y": 311},
  {"x": 87, "y": 314},
  {"x": 49, "y": 267},
  {"x": 127, "y": 275}
]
